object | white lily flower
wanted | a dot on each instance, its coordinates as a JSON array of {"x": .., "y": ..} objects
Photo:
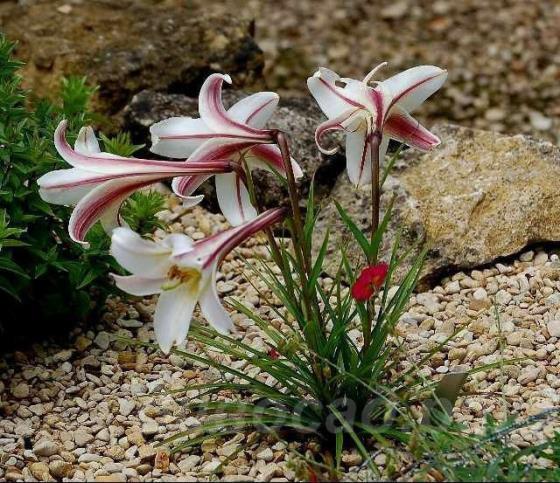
[
  {"x": 183, "y": 272},
  {"x": 374, "y": 113},
  {"x": 99, "y": 183},
  {"x": 236, "y": 134}
]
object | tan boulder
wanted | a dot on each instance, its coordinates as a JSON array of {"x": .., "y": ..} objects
[{"x": 477, "y": 197}]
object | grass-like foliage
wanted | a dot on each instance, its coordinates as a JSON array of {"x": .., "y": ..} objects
[
  {"x": 313, "y": 380},
  {"x": 325, "y": 384},
  {"x": 449, "y": 453},
  {"x": 42, "y": 272}
]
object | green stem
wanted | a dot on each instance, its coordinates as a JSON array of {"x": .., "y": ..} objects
[{"x": 369, "y": 326}]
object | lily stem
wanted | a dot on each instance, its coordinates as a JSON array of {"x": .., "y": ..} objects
[
  {"x": 303, "y": 256},
  {"x": 375, "y": 141},
  {"x": 294, "y": 200},
  {"x": 274, "y": 250}
]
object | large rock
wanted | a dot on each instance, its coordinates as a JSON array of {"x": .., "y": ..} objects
[
  {"x": 297, "y": 116},
  {"x": 477, "y": 197},
  {"x": 125, "y": 46}
]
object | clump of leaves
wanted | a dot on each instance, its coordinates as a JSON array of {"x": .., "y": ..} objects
[
  {"x": 120, "y": 144},
  {"x": 324, "y": 383},
  {"x": 44, "y": 276},
  {"x": 141, "y": 209}
]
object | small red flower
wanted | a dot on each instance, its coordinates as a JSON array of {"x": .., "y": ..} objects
[
  {"x": 369, "y": 281},
  {"x": 273, "y": 353}
]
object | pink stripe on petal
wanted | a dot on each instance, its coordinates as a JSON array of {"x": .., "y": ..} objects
[
  {"x": 358, "y": 157},
  {"x": 213, "y": 113},
  {"x": 108, "y": 163},
  {"x": 337, "y": 92},
  {"x": 378, "y": 101},
  {"x": 86, "y": 142},
  {"x": 257, "y": 111},
  {"x": 234, "y": 199},
  {"x": 216, "y": 247},
  {"x": 364, "y": 155},
  {"x": 403, "y": 127},
  {"x": 269, "y": 154},
  {"x": 413, "y": 86},
  {"x": 336, "y": 124},
  {"x": 102, "y": 200},
  {"x": 254, "y": 110}
]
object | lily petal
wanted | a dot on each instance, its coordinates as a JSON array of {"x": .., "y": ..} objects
[
  {"x": 358, "y": 157},
  {"x": 173, "y": 316},
  {"x": 139, "y": 286},
  {"x": 332, "y": 99},
  {"x": 212, "y": 309},
  {"x": 109, "y": 163},
  {"x": 234, "y": 199},
  {"x": 104, "y": 203},
  {"x": 179, "y": 137},
  {"x": 269, "y": 158},
  {"x": 254, "y": 110},
  {"x": 140, "y": 256},
  {"x": 178, "y": 243},
  {"x": 403, "y": 127},
  {"x": 86, "y": 142},
  {"x": 213, "y": 113},
  {"x": 68, "y": 186},
  {"x": 412, "y": 87},
  {"x": 185, "y": 186},
  {"x": 348, "y": 120}
]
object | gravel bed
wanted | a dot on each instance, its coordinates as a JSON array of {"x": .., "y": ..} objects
[{"x": 92, "y": 409}]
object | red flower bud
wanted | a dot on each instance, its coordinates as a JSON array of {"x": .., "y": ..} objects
[{"x": 369, "y": 281}]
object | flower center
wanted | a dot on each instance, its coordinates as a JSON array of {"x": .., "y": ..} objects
[{"x": 180, "y": 275}]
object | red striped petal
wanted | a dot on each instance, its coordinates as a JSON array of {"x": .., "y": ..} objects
[
  {"x": 336, "y": 124},
  {"x": 214, "y": 248},
  {"x": 108, "y": 163},
  {"x": 403, "y": 127},
  {"x": 213, "y": 113},
  {"x": 104, "y": 202}
]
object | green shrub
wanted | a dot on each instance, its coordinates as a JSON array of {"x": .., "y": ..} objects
[{"x": 45, "y": 278}]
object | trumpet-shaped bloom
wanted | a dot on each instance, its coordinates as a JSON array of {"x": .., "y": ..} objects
[
  {"x": 183, "y": 272},
  {"x": 236, "y": 134},
  {"x": 382, "y": 110},
  {"x": 98, "y": 183}
]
